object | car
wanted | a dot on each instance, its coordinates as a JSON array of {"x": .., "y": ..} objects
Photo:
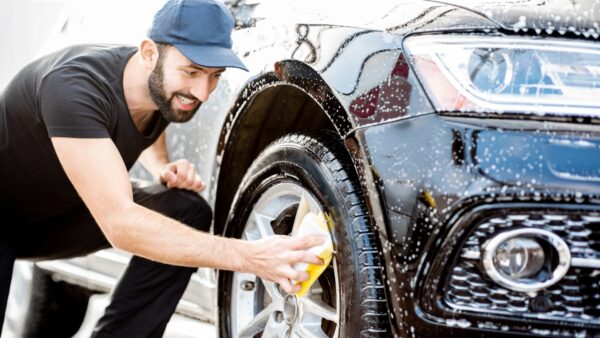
[{"x": 453, "y": 147}]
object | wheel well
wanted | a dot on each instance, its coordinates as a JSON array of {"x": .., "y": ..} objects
[{"x": 273, "y": 112}]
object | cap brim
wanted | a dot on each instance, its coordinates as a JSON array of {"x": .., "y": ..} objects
[{"x": 211, "y": 56}]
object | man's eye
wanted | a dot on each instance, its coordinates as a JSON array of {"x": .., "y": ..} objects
[{"x": 190, "y": 72}]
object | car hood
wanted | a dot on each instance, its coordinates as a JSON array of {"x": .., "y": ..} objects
[
  {"x": 400, "y": 16},
  {"x": 581, "y": 17}
]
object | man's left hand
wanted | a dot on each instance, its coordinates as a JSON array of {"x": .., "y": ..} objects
[{"x": 181, "y": 174}]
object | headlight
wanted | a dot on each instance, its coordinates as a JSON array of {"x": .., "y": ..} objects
[
  {"x": 490, "y": 70},
  {"x": 505, "y": 74}
]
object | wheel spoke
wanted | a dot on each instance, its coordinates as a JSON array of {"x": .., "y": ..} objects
[
  {"x": 271, "y": 289},
  {"x": 316, "y": 289},
  {"x": 319, "y": 308},
  {"x": 258, "y": 323},
  {"x": 251, "y": 235},
  {"x": 263, "y": 223},
  {"x": 274, "y": 329},
  {"x": 309, "y": 331}
]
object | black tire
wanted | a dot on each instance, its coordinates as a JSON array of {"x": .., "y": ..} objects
[
  {"x": 321, "y": 165},
  {"x": 46, "y": 308}
]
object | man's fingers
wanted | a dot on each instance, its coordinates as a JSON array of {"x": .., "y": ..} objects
[
  {"x": 288, "y": 287},
  {"x": 308, "y": 242},
  {"x": 172, "y": 175},
  {"x": 306, "y": 257},
  {"x": 198, "y": 185},
  {"x": 173, "y": 167},
  {"x": 182, "y": 174},
  {"x": 191, "y": 176},
  {"x": 292, "y": 274},
  {"x": 301, "y": 276},
  {"x": 169, "y": 178},
  {"x": 312, "y": 259}
]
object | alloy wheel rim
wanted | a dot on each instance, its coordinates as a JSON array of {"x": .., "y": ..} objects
[{"x": 262, "y": 306}]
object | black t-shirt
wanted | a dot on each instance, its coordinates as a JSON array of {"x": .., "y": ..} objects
[{"x": 75, "y": 92}]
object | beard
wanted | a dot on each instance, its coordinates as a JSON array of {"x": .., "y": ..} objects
[{"x": 165, "y": 103}]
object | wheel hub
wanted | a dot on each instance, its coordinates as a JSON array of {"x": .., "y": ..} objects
[
  {"x": 290, "y": 309},
  {"x": 280, "y": 314}
]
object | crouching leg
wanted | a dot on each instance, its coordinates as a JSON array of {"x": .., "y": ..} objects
[{"x": 148, "y": 292}]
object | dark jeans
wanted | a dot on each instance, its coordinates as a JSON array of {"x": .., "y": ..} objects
[{"x": 147, "y": 294}]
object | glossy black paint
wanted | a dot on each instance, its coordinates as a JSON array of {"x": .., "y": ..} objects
[
  {"x": 340, "y": 94},
  {"x": 577, "y": 17},
  {"x": 431, "y": 169},
  {"x": 421, "y": 170}
]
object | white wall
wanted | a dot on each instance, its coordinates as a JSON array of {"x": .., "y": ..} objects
[
  {"x": 24, "y": 26},
  {"x": 31, "y": 28}
]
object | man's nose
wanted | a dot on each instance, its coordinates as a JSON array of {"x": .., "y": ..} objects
[{"x": 201, "y": 89}]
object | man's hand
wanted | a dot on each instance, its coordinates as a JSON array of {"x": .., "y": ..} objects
[
  {"x": 181, "y": 174},
  {"x": 272, "y": 259}
]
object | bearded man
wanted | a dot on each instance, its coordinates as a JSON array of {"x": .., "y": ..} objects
[{"x": 71, "y": 125}]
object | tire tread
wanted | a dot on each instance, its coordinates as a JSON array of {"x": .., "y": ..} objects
[{"x": 373, "y": 305}]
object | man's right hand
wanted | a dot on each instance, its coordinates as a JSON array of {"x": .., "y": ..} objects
[{"x": 272, "y": 259}]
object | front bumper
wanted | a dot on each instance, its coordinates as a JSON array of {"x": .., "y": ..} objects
[{"x": 432, "y": 182}]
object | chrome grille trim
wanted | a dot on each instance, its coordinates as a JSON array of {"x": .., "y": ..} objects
[
  {"x": 586, "y": 263},
  {"x": 592, "y": 263}
]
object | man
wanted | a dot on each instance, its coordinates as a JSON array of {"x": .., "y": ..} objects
[{"x": 71, "y": 125}]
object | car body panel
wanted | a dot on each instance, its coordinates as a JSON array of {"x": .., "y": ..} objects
[
  {"x": 470, "y": 163},
  {"x": 578, "y": 17}
]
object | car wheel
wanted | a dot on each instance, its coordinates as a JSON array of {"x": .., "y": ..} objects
[
  {"x": 348, "y": 299},
  {"x": 38, "y": 306}
]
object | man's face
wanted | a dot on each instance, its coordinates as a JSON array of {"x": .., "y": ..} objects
[{"x": 178, "y": 86}]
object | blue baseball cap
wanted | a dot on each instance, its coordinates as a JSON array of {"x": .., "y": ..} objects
[{"x": 199, "y": 29}]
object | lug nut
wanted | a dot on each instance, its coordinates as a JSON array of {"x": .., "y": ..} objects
[{"x": 248, "y": 285}]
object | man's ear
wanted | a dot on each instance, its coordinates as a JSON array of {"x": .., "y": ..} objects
[{"x": 149, "y": 53}]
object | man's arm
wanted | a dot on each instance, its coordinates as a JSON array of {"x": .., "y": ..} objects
[
  {"x": 156, "y": 156},
  {"x": 179, "y": 174},
  {"x": 98, "y": 173}
]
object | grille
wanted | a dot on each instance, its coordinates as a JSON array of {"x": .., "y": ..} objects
[{"x": 575, "y": 297}]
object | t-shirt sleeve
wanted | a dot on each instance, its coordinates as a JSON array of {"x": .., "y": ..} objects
[{"x": 74, "y": 104}]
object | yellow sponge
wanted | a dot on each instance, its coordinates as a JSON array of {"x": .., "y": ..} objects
[{"x": 312, "y": 224}]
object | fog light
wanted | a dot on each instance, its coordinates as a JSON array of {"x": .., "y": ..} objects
[
  {"x": 526, "y": 259},
  {"x": 519, "y": 258}
]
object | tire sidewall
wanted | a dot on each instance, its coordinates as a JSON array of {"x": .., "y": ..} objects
[{"x": 287, "y": 162}]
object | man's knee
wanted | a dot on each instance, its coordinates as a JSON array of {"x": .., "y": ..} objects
[
  {"x": 182, "y": 205},
  {"x": 191, "y": 209}
]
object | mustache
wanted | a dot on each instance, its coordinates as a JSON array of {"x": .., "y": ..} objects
[{"x": 186, "y": 95}]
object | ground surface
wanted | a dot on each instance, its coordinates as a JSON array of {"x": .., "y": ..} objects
[{"x": 178, "y": 327}]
